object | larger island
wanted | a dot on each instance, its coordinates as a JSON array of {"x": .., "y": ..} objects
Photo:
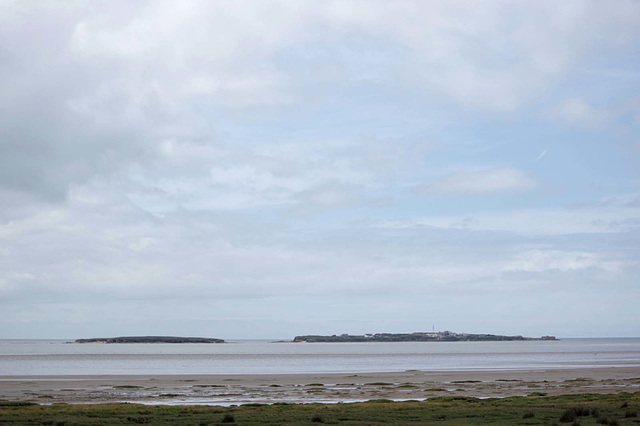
[
  {"x": 150, "y": 339},
  {"x": 436, "y": 336}
]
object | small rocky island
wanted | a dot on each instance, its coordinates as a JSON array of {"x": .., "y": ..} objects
[
  {"x": 150, "y": 339},
  {"x": 439, "y": 336}
]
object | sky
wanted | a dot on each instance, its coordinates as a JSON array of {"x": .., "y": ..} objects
[{"x": 267, "y": 169}]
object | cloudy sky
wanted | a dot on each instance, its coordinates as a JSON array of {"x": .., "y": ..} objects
[{"x": 270, "y": 168}]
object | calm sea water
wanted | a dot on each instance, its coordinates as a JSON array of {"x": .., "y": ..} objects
[{"x": 55, "y": 357}]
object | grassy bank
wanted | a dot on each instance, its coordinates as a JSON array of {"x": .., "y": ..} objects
[{"x": 588, "y": 409}]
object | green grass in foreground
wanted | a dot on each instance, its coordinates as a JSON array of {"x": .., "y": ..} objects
[{"x": 589, "y": 409}]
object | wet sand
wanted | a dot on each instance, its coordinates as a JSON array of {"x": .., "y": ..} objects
[{"x": 309, "y": 388}]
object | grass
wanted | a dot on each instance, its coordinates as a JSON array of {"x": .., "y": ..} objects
[{"x": 586, "y": 409}]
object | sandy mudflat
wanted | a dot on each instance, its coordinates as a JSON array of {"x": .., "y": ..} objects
[{"x": 242, "y": 389}]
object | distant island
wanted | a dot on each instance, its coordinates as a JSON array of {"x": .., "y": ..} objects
[
  {"x": 150, "y": 339},
  {"x": 439, "y": 336}
]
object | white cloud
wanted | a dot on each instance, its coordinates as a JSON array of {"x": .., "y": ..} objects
[
  {"x": 577, "y": 111},
  {"x": 547, "y": 222},
  {"x": 546, "y": 260},
  {"x": 264, "y": 136},
  {"x": 495, "y": 55},
  {"x": 324, "y": 173},
  {"x": 483, "y": 182},
  {"x": 106, "y": 253},
  {"x": 122, "y": 78}
]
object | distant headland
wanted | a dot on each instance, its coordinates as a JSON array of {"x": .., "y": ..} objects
[
  {"x": 150, "y": 339},
  {"x": 436, "y": 336}
]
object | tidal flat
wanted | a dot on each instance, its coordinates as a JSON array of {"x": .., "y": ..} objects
[{"x": 237, "y": 389}]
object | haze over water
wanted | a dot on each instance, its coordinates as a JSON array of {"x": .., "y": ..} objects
[{"x": 56, "y": 357}]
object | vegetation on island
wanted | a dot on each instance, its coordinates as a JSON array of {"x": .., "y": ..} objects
[
  {"x": 439, "y": 336},
  {"x": 150, "y": 339},
  {"x": 587, "y": 409}
]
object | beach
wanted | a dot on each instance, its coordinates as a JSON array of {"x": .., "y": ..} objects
[{"x": 237, "y": 389}]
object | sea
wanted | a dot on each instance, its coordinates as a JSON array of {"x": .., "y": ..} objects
[{"x": 62, "y": 357}]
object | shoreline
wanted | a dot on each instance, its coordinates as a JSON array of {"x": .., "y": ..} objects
[{"x": 237, "y": 389}]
